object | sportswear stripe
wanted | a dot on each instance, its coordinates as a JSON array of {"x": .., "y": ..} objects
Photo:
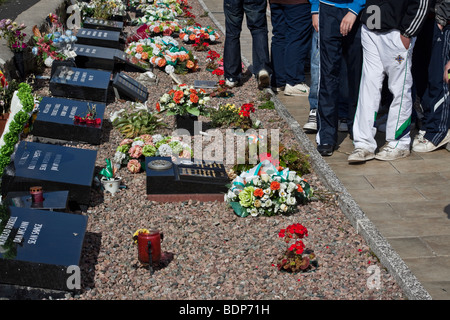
[{"x": 420, "y": 15}]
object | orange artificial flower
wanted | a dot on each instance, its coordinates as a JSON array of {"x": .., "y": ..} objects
[
  {"x": 161, "y": 63},
  {"x": 158, "y": 107},
  {"x": 192, "y": 37},
  {"x": 178, "y": 95},
  {"x": 299, "y": 188},
  {"x": 193, "y": 91},
  {"x": 145, "y": 55},
  {"x": 275, "y": 185},
  {"x": 156, "y": 29},
  {"x": 139, "y": 49},
  {"x": 258, "y": 192},
  {"x": 194, "y": 98},
  {"x": 190, "y": 64}
]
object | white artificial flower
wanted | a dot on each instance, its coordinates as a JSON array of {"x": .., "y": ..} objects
[
  {"x": 283, "y": 207},
  {"x": 268, "y": 203},
  {"x": 291, "y": 187},
  {"x": 291, "y": 201},
  {"x": 265, "y": 177},
  {"x": 282, "y": 193},
  {"x": 254, "y": 212},
  {"x": 212, "y": 38},
  {"x": 292, "y": 175},
  {"x": 138, "y": 143}
]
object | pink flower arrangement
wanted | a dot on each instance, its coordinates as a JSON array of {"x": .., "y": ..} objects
[
  {"x": 134, "y": 166},
  {"x": 135, "y": 151}
]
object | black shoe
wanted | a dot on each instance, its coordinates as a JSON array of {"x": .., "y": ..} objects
[{"x": 325, "y": 150}]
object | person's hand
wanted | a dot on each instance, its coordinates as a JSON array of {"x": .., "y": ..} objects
[
  {"x": 406, "y": 41},
  {"x": 315, "y": 22},
  {"x": 347, "y": 23},
  {"x": 446, "y": 69},
  {"x": 440, "y": 27}
]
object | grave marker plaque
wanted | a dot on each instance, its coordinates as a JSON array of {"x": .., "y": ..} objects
[
  {"x": 101, "y": 38},
  {"x": 56, "y": 120},
  {"x": 130, "y": 88},
  {"x": 83, "y": 84},
  {"x": 197, "y": 180},
  {"x": 95, "y": 23},
  {"x": 53, "y": 167},
  {"x": 94, "y": 57},
  {"x": 37, "y": 247}
]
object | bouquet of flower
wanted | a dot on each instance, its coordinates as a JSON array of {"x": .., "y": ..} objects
[
  {"x": 184, "y": 100},
  {"x": 161, "y": 28},
  {"x": 102, "y": 9},
  {"x": 11, "y": 31},
  {"x": 296, "y": 257},
  {"x": 197, "y": 34},
  {"x": 211, "y": 60},
  {"x": 264, "y": 190},
  {"x": 132, "y": 152},
  {"x": 49, "y": 47},
  {"x": 156, "y": 13}
]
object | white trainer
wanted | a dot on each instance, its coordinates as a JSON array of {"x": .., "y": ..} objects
[
  {"x": 425, "y": 145},
  {"x": 360, "y": 155},
  {"x": 419, "y": 138},
  {"x": 389, "y": 154},
  {"x": 230, "y": 83},
  {"x": 300, "y": 89},
  {"x": 311, "y": 125}
]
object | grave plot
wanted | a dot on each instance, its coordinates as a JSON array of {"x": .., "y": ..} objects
[
  {"x": 58, "y": 118},
  {"x": 54, "y": 168},
  {"x": 82, "y": 84},
  {"x": 40, "y": 248},
  {"x": 168, "y": 181}
]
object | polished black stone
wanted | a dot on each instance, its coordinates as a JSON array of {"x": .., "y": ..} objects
[
  {"x": 199, "y": 177},
  {"x": 37, "y": 247},
  {"x": 129, "y": 88},
  {"x": 54, "y": 200},
  {"x": 53, "y": 167},
  {"x": 95, "y": 23},
  {"x": 94, "y": 57},
  {"x": 101, "y": 38},
  {"x": 82, "y": 84},
  {"x": 56, "y": 120}
]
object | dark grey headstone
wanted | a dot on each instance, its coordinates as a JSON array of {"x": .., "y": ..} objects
[
  {"x": 55, "y": 120},
  {"x": 37, "y": 248},
  {"x": 53, "y": 167},
  {"x": 129, "y": 88},
  {"x": 82, "y": 84},
  {"x": 101, "y": 38},
  {"x": 193, "y": 177},
  {"x": 102, "y": 24}
]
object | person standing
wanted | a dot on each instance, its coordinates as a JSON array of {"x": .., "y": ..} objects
[
  {"x": 291, "y": 41},
  {"x": 255, "y": 13},
  {"x": 435, "y": 131},
  {"x": 388, "y": 36},
  {"x": 339, "y": 38}
]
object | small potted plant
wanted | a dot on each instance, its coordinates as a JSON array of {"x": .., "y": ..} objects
[
  {"x": 296, "y": 258},
  {"x": 109, "y": 180}
]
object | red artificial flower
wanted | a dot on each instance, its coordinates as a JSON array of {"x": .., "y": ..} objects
[{"x": 275, "y": 185}]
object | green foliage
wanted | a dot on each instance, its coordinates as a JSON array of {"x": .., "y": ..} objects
[
  {"x": 225, "y": 115},
  {"x": 137, "y": 123},
  {"x": 295, "y": 160}
]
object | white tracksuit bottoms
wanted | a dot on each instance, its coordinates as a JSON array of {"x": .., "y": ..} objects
[{"x": 384, "y": 54}]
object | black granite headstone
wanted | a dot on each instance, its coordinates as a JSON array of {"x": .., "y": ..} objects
[
  {"x": 40, "y": 248},
  {"x": 53, "y": 201},
  {"x": 83, "y": 84},
  {"x": 195, "y": 177},
  {"x": 129, "y": 88},
  {"x": 94, "y": 57},
  {"x": 95, "y": 23},
  {"x": 56, "y": 120},
  {"x": 53, "y": 167},
  {"x": 101, "y": 38}
]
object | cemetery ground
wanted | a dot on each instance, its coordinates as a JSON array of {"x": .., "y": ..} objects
[{"x": 209, "y": 252}]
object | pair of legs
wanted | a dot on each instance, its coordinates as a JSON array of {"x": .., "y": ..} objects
[
  {"x": 334, "y": 47},
  {"x": 384, "y": 54},
  {"x": 291, "y": 42},
  {"x": 313, "y": 97},
  {"x": 255, "y": 13},
  {"x": 435, "y": 100}
]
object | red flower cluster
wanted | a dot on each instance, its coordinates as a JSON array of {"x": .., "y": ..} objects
[
  {"x": 246, "y": 109},
  {"x": 212, "y": 55},
  {"x": 294, "y": 230},
  {"x": 297, "y": 247},
  {"x": 218, "y": 72}
]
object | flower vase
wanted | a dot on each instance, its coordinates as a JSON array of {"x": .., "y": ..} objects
[
  {"x": 19, "y": 63},
  {"x": 187, "y": 122},
  {"x": 112, "y": 186},
  {"x": 149, "y": 245}
]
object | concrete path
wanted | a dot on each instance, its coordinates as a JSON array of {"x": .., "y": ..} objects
[{"x": 407, "y": 201}]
